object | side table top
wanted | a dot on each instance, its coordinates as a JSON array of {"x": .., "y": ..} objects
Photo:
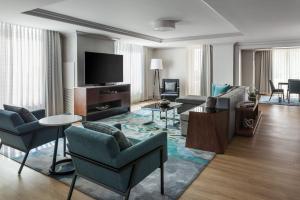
[{"x": 60, "y": 120}]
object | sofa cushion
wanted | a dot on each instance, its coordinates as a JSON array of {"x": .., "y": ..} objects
[
  {"x": 219, "y": 89},
  {"x": 191, "y": 99},
  {"x": 110, "y": 130},
  {"x": 25, "y": 114}
]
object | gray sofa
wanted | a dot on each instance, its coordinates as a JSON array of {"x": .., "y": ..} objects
[{"x": 225, "y": 101}]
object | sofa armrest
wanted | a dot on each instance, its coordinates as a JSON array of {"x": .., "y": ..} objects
[
  {"x": 28, "y": 128},
  {"x": 138, "y": 150},
  {"x": 39, "y": 114}
]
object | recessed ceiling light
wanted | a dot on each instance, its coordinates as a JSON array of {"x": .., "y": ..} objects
[{"x": 164, "y": 25}]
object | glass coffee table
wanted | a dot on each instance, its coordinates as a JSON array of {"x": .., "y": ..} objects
[{"x": 156, "y": 108}]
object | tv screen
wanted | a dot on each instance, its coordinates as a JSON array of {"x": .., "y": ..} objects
[{"x": 101, "y": 68}]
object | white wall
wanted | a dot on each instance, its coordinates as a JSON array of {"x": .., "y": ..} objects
[
  {"x": 175, "y": 65},
  {"x": 223, "y": 63}
]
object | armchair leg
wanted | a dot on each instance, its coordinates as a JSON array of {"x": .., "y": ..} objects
[
  {"x": 162, "y": 188},
  {"x": 127, "y": 194},
  {"x": 65, "y": 145},
  {"x": 72, "y": 187},
  {"x": 0, "y": 145},
  {"x": 271, "y": 96},
  {"x": 23, "y": 162}
]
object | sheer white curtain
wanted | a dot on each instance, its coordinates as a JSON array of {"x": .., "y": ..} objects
[
  {"x": 22, "y": 66},
  {"x": 199, "y": 70},
  {"x": 286, "y": 64},
  {"x": 133, "y": 68}
]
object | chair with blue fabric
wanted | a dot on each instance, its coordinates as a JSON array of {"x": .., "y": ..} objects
[
  {"x": 21, "y": 130},
  {"x": 101, "y": 158},
  {"x": 293, "y": 88}
]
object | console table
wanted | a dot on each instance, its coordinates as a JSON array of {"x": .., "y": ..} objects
[
  {"x": 246, "y": 111},
  {"x": 97, "y": 102},
  {"x": 208, "y": 130}
]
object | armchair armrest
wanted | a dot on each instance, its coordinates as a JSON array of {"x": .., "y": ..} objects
[
  {"x": 28, "y": 127},
  {"x": 136, "y": 151},
  {"x": 39, "y": 114}
]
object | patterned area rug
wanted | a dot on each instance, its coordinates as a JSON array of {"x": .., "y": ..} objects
[
  {"x": 276, "y": 101},
  {"x": 182, "y": 168}
]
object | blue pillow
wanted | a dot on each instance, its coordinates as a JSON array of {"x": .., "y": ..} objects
[
  {"x": 121, "y": 139},
  {"x": 219, "y": 89}
]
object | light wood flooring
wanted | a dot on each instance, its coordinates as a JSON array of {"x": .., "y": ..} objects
[{"x": 266, "y": 166}]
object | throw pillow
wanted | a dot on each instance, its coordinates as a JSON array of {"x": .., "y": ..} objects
[
  {"x": 219, "y": 89},
  {"x": 170, "y": 86},
  {"x": 123, "y": 142},
  {"x": 25, "y": 114}
]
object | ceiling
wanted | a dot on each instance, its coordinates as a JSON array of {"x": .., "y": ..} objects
[{"x": 200, "y": 20}]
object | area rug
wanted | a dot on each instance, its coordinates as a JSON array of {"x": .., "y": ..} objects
[
  {"x": 275, "y": 101},
  {"x": 182, "y": 168}
]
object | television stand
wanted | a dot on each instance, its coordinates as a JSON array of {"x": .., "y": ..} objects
[{"x": 98, "y": 102}]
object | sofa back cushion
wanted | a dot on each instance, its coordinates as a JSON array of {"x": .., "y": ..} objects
[
  {"x": 10, "y": 120},
  {"x": 123, "y": 142},
  {"x": 25, "y": 114}
]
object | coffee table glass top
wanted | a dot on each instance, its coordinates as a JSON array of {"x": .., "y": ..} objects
[{"x": 155, "y": 106}]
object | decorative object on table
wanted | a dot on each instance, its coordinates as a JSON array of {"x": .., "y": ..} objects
[
  {"x": 156, "y": 65},
  {"x": 183, "y": 162},
  {"x": 293, "y": 88},
  {"x": 59, "y": 121},
  {"x": 164, "y": 103},
  {"x": 275, "y": 90},
  {"x": 247, "y": 118},
  {"x": 248, "y": 123},
  {"x": 170, "y": 89},
  {"x": 252, "y": 94}
]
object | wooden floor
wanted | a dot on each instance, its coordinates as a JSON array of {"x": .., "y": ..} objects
[{"x": 266, "y": 166}]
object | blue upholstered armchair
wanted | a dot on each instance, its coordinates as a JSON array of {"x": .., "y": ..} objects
[
  {"x": 14, "y": 132},
  {"x": 170, "y": 89},
  {"x": 97, "y": 157}
]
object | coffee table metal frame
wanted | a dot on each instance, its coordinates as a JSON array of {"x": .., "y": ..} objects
[{"x": 155, "y": 107}]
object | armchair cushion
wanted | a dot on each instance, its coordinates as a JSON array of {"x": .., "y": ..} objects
[
  {"x": 28, "y": 127},
  {"x": 110, "y": 130},
  {"x": 170, "y": 86},
  {"x": 10, "y": 120},
  {"x": 26, "y": 115},
  {"x": 39, "y": 114},
  {"x": 132, "y": 153}
]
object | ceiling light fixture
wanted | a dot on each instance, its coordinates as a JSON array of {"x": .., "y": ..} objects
[{"x": 164, "y": 25}]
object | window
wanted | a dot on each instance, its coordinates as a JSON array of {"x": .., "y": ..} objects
[
  {"x": 22, "y": 66},
  {"x": 133, "y": 68},
  {"x": 286, "y": 65},
  {"x": 195, "y": 68}
]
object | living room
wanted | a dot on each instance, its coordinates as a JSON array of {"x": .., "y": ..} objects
[{"x": 134, "y": 99}]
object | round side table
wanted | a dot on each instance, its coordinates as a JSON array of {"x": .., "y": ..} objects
[{"x": 59, "y": 121}]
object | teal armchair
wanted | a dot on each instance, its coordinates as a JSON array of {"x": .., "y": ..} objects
[
  {"x": 14, "y": 132},
  {"x": 97, "y": 158}
]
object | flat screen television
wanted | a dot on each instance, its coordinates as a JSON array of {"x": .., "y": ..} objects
[{"x": 102, "y": 68}]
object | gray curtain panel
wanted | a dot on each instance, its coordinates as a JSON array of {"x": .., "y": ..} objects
[
  {"x": 263, "y": 70},
  {"x": 54, "y": 83},
  {"x": 206, "y": 71}
]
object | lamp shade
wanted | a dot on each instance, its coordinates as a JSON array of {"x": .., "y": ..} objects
[{"x": 156, "y": 64}]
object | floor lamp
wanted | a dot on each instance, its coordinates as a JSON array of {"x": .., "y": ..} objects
[{"x": 156, "y": 65}]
